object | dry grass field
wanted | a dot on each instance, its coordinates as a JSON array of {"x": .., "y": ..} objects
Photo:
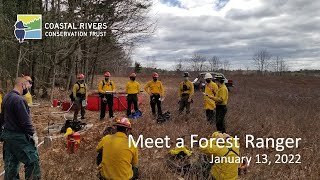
[{"x": 262, "y": 106}]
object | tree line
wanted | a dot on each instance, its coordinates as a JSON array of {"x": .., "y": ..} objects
[
  {"x": 262, "y": 60},
  {"x": 54, "y": 61}
]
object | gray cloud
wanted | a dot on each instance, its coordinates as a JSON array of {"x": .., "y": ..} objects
[{"x": 289, "y": 29}]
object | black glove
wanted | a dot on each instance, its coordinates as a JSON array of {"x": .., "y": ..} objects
[{"x": 135, "y": 173}]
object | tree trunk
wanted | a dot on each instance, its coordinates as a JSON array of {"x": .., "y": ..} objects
[{"x": 19, "y": 60}]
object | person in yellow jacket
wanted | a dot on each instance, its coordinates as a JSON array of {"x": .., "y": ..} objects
[
  {"x": 119, "y": 160},
  {"x": 79, "y": 92},
  {"x": 28, "y": 96},
  {"x": 155, "y": 89},
  {"x": 1, "y": 96},
  {"x": 210, "y": 91},
  {"x": 225, "y": 169},
  {"x": 221, "y": 99},
  {"x": 106, "y": 89},
  {"x": 186, "y": 92},
  {"x": 132, "y": 89}
]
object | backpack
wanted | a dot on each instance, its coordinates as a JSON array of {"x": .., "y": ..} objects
[
  {"x": 75, "y": 125},
  {"x": 71, "y": 95}
]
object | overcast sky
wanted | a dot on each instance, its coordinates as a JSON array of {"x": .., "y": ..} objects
[{"x": 234, "y": 30}]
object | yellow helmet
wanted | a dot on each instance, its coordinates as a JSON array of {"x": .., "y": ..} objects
[
  {"x": 216, "y": 134},
  {"x": 68, "y": 132}
]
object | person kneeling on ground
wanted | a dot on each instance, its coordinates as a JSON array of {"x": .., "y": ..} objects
[
  {"x": 119, "y": 161},
  {"x": 223, "y": 170}
]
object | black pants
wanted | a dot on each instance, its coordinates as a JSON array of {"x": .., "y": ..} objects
[
  {"x": 109, "y": 98},
  {"x": 221, "y": 112},
  {"x": 132, "y": 98},
  {"x": 211, "y": 115},
  {"x": 184, "y": 104},
  {"x": 155, "y": 100},
  {"x": 78, "y": 105}
]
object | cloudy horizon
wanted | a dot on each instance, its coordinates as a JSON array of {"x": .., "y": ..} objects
[{"x": 233, "y": 30}]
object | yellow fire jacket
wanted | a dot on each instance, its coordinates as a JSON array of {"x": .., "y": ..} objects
[
  {"x": 80, "y": 88},
  {"x": 153, "y": 87},
  {"x": 106, "y": 86},
  {"x": 0, "y": 101},
  {"x": 117, "y": 157},
  {"x": 224, "y": 170},
  {"x": 132, "y": 87},
  {"x": 210, "y": 91},
  {"x": 189, "y": 90},
  {"x": 28, "y": 98},
  {"x": 222, "y": 95}
]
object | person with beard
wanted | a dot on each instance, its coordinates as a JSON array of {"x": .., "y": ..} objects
[
  {"x": 155, "y": 89},
  {"x": 20, "y": 139},
  {"x": 106, "y": 89},
  {"x": 132, "y": 89}
]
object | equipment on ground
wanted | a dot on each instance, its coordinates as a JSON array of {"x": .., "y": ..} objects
[
  {"x": 74, "y": 124},
  {"x": 73, "y": 141},
  {"x": 164, "y": 117},
  {"x": 135, "y": 114}
]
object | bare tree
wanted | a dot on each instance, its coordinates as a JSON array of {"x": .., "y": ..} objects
[
  {"x": 279, "y": 65},
  {"x": 261, "y": 60},
  {"x": 179, "y": 66},
  {"x": 214, "y": 63},
  {"x": 226, "y": 65},
  {"x": 151, "y": 62},
  {"x": 197, "y": 62}
]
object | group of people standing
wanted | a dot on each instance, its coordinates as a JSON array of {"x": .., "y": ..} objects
[
  {"x": 215, "y": 96},
  {"x": 20, "y": 139}
]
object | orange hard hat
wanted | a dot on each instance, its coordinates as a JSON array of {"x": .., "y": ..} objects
[
  {"x": 124, "y": 122},
  {"x": 80, "y": 76},
  {"x": 107, "y": 74},
  {"x": 133, "y": 75},
  {"x": 155, "y": 75}
]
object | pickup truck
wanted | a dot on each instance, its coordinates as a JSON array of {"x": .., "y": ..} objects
[{"x": 199, "y": 82}]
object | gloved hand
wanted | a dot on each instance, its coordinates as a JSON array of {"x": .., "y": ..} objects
[{"x": 35, "y": 139}]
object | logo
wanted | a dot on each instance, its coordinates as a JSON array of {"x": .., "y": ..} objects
[{"x": 28, "y": 26}]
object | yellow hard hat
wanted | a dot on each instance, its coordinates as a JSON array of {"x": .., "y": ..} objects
[
  {"x": 176, "y": 151},
  {"x": 216, "y": 134},
  {"x": 68, "y": 132}
]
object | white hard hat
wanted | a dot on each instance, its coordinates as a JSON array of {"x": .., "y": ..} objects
[{"x": 207, "y": 76}]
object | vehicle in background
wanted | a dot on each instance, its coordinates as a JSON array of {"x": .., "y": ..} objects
[{"x": 199, "y": 82}]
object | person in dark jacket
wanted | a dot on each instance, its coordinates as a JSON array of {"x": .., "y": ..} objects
[{"x": 20, "y": 139}]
